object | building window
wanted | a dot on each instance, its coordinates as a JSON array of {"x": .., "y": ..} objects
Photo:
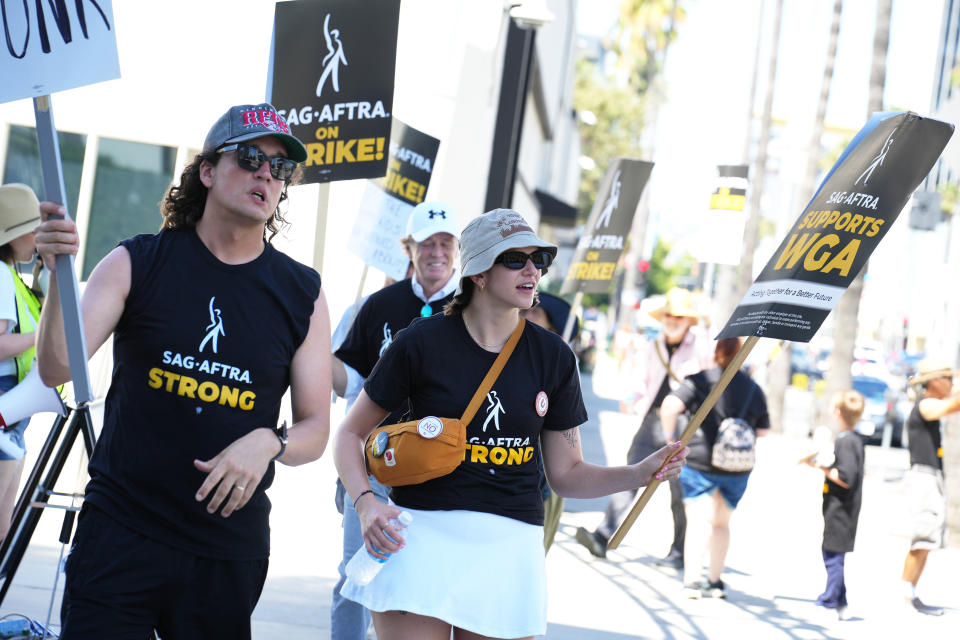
[
  {"x": 23, "y": 161},
  {"x": 131, "y": 179}
]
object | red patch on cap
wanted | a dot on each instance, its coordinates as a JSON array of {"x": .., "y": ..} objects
[{"x": 264, "y": 118}]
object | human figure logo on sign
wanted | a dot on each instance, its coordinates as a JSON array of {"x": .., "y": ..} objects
[
  {"x": 605, "y": 234},
  {"x": 612, "y": 201},
  {"x": 331, "y": 61},
  {"x": 878, "y": 160},
  {"x": 826, "y": 248}
]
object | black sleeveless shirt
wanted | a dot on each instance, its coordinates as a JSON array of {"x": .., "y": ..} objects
[
  {"x": 201, "y": 356},
  {"x": 924, "y": 439}
]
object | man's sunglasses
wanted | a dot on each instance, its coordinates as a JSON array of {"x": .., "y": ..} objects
[
  {"x": 251, "y": 158},
  {"x": 541, "y": 259}
]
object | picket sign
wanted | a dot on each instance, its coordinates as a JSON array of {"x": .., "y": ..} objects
[
  {"x": 75, "y": 48},
  {"x": 827, "y": 247}
]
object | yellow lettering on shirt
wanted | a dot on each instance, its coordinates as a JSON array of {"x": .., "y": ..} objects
[{"x": 206, "y": 391}]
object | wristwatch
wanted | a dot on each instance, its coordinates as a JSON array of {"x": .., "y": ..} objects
[{"x": 281, "y": 433}]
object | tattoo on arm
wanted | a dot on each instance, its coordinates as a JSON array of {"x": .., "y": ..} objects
[{"x": 572, "y": 436}]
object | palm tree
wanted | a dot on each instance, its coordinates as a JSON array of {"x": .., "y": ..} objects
[
  {"x": 760, "y": 165},
  {"x": 780, "y": 368},
  {"x": 845, "y": 316}
]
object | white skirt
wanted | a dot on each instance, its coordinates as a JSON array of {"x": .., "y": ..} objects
[{"x": 477, "y": 571}]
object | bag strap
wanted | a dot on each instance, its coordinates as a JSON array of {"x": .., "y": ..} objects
[
  {"x": 492, "y": 374},
  {"x": 665, "y": 363},
  {"x": 746, "y": 404}
]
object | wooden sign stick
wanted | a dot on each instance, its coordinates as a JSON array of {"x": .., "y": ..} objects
[{"x": 691, "y": 429}]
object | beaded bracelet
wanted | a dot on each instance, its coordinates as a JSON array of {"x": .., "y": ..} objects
[{"x": 362, "y": 493}]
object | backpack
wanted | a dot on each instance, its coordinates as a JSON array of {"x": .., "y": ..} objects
[{"x": 735, "y": 447}]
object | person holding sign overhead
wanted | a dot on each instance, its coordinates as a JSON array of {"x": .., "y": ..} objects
[
  {"x": 924, "y": 480},
  {"x": 210, "y": 327},
  {"x": 473, "y": 564},
  {"x": 431, "y": 238}
]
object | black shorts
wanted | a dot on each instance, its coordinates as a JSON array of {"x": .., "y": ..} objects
[{"x": 123, "y": 585}]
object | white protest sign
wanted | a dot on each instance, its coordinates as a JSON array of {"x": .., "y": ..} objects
[
  {"x": 56, "y": 45},
  {"x": 380, "y": 224}
]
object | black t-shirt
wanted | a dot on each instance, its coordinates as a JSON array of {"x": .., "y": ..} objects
[
  {"x": 841, "y": 507},
  {"x": 732, "y": 404},
  {"x": 924, "y": 440},
  {"x": 437, "y": 366},
  {"x": 664, "y": 389},
  {"x": 384, "y": 314},
  {"x": 201, "y": 356}
]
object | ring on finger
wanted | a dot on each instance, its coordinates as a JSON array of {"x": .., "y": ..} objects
[{"x": 240, "y": 487}]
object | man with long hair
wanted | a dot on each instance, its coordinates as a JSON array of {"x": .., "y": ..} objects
[{"x": 174, "y": 536}]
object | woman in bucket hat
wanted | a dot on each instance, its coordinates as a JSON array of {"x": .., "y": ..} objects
[
  {"x": 19, "y": 311},
  {"x": 474, "y": 561}
]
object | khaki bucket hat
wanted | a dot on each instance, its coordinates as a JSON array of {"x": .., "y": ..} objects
[
  {"x": 19, "y": 211},
  {"x": 489, "y": 235}
]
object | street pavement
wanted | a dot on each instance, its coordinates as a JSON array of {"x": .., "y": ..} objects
[{"x": 774, "y": 567}]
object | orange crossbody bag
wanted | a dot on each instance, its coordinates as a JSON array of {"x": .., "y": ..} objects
[{"x": 419, "y": 450}]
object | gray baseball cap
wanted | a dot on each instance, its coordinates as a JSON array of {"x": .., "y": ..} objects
[
  {"x": 489, "y": 235},
  {"x": 250, "y": 121}
]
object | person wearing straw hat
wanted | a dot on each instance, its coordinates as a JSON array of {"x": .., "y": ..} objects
[
  {"x": 678, "y": 351},
  {"x": 924, "y": 480},
  {"x": 473, "y": 562},
  {"x": 211, "y": 325},
  {"x": 19, "y": 312}
]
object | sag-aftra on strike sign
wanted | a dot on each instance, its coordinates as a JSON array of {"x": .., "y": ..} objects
[
  {"x": 333, "y": 66},
  {"x": 829, "y": 244}
]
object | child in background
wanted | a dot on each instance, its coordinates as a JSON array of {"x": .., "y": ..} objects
[{"x": 842, "y": 492}]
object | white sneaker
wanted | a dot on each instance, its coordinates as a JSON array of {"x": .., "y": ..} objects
[{"x": 10, "y": 447}]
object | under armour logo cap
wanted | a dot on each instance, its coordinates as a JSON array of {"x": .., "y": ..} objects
[{"x": 428, "y": 218}]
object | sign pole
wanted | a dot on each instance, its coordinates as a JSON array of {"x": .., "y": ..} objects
[
  {"x": 572, "y": 316},
  {"x": 55, "y": 191},
  {"x": 320, "y": 232},
  {"x": 691, "y": 429}
]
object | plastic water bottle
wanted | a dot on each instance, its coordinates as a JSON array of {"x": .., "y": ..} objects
[{"x": 363, "y": 567}]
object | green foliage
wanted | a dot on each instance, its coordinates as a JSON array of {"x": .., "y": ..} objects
[
  {"x": 618, "y": 98},
  {"x": 619, "y": 112},
  {"x": 661, "y": 276},
  {"x": 949, "y": 193},
  {"x": 647, "y": 27}
]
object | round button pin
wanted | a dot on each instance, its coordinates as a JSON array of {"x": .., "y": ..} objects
[{"x": 379, "y": 444}]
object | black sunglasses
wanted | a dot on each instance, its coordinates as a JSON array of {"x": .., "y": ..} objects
[
  {"x": 541, "y": 259},
  {"x": 251, "y": 158}
]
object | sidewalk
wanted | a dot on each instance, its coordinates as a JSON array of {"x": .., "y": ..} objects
[{"x": 774, "y": 574}]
